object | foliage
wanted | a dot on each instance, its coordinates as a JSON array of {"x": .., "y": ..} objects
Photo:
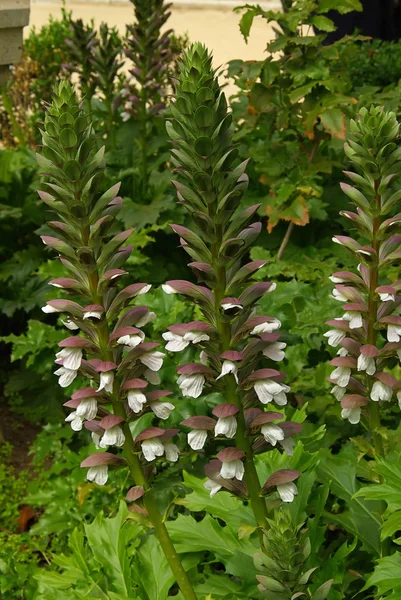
[
  {"x": 372, "y": 62},
  {"x": 291, "y": 110}
]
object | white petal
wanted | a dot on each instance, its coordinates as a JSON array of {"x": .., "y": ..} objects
[
  {"x": 197, "y": 438},
  {"x": 196, "y": 337},
  {"x": 144, "y": 290},
  {"x": 87, "y": 408},
  {"x": 97, "y": 474},
  {"x": 48, "y": 309},
  {"x": 147, "y": 318},
  {"x": 106, "y": 381},
  {"x": 92, "y": 314},
  {"x": 136, "y": 400},
  {"x": 381, "y": 391},
  {"x": 152, "y": 448},
  {"x": 66, "y": 376},
  {"x": 70, "y": 325},
  {"x": 338, "y": 392},
  {"x": 152, "y": 360},
  {"x": 287, "y": 491},
  {"x": 75, "y": 420},
  {"x": 167, "y": 289},
  {"x": 272, "y": 433},
  {"x": 275, "y": 351},
  {"x": 335, "y": 337},
  {"x": 393, "y": 333},
  {"x": 352, "y": 414},
  {"x": 113, "y": 437},
  {"x": 212, "y": 487},
  {"x": 288, "y": 445},
  {"x": 176, "y": 343},
  {"x": 71, "y": 357},
  {"x": 228, "y": 367},
  {"x": 162, "y": 409},
  {"x": 191, "y": 385},
  {"x": 234, "y": 469},
  {"x": 131, "y": 340},
  {"x": 267, "y": 327},
  {"x": 341, "y": 375},
  {"x": 96, "y": 439},
  {"x": 226, "y": 426},
  {"x": 366, "y": 364},
  {"x": 172, "y": 452}
]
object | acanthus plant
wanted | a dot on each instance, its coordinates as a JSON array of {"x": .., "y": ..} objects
[
  {"x": 106, "y": 346},
  {"x": 237, "y": 349},
  {"x": 145, "y": 94},
  {"x": 368, "y": 334}
]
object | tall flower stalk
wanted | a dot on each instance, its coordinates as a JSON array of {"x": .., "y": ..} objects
[
  {"x": 150, "y": 52},
  {"x": 106, "y": 348},
  {"x": 369, "y": 332},
  {"x": 238, "y": 349}
]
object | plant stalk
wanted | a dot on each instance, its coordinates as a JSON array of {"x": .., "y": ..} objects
[{"x": 136, "y": 469}]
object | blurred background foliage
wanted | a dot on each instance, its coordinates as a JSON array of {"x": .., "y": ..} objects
[{"x": 291, "y": 112}]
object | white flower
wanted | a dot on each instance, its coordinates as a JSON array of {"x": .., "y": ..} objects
[
  {"x": 268, "y": 390},
  {"x": 212, "y": 487},
  {"x": 338, "y": 392},
  {"x": 152, "y": 376},
  {"x": 287, "y": 491},
  {"x": 175, "y": 343},
  {"x": 162, "y": 409},
  {"x": 48, "y": 309},
  {"x": 125, "y": 116},
  {"x": 191, "y": 385},
  {"x": 66, "y": 376},
  {"x": 147, "y": 318},
  {"x": 197, "y": 438},
  {"x": 97, "y": 474},
  {"x": 69, "y": 324},
  {"x": 152, "y": 448},
  {"x": 112, "y": 437},
  {"x": 228, "y": 367},
  {"x": 355, "y": 319},
  {"x": 144, "y": 290},
  {"x": 71, "y": 358},
  {"x": 93, "y": 314},
  {"x": 152, "y": 360},
  {"x": 339, "y": 296},
  {"x": 167, "y": 289},
  {"x": 288, "y": 445},
  {"x": 352, "y": 414},
  {"x": 106, "y": 381},
  {"x": 75, "y": 420},
  {"x": 226, "y": 426},
  {"x": 233, "y": 469},
  {"x": 341, "y": 376},
  {"x": 136, "y": 400},
  {"x": 336, "y": 279},
  {"x": 267, "y": 327},
  {"x": 393, "y": 333},
  {"x": 387, "y": 297},
  {"x": 172, "y": 452},
  {"x": 96, "y": 440},
  {"x": 275, "y": 351},
  {"x": 87, "y": 408},
  {"x": 399, "y": 398},
  {"x": 203, "y": 357},
  {"x": 335, "y": 337},
  {"x": 342, "y": 352},
  {"x": 366, "y": 364},
  {"x": 132, "y": 340},
  {"x": 381, "y": 391},
  {"x": 272, "y": 433},
  {"x": 230, "y": 305}
]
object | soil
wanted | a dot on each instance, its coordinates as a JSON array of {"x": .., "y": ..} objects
[{"x": 20, "y": 433}]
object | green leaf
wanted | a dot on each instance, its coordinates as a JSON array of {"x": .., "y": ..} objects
[
  {"x": 323, "y": 591},
  {"x": 245, "y": 23},
  {"x": 333, "y": 120},
  {"x": 222, "y": 506},
  {"x": 341, "y": 6},
  {"x": 359, "y": 517},
  {"x": 323, "y": 23},
  {"x": 153, "y": 571},
  {"x": 108, "y": 540},
  {"x": 68, "y": 138},
  {"x": 387, "y": 576},
  {"x": 391, "y": 525}
]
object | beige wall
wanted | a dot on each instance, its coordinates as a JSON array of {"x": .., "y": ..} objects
[{"x": 214, "y": 26}]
